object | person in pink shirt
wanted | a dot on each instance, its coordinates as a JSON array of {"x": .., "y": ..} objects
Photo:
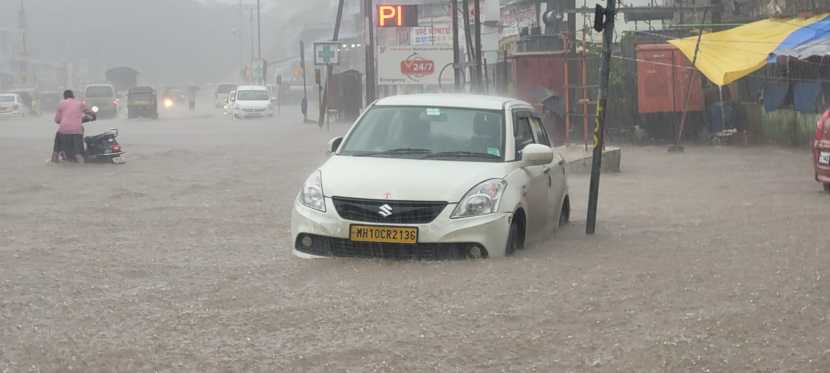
[{"x": 69, "y": 140}]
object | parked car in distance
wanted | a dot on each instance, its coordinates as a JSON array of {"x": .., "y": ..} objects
[
  {"x": 11, "y": 106},
  {"x": 142, "y": 102},
  {"x": 103, "y": 97},
  {"x": 821, "y": 150},
  {"x": 434, "y": 176}
]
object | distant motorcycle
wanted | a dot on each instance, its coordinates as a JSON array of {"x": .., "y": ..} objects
[{"x": 102, "y": 147}]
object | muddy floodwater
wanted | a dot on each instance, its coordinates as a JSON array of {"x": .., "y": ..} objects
[{"x": 715, "y": 260}]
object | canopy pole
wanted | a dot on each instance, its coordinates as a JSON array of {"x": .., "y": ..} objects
[
  {"x": 722, "y": 112},
  {"x": 677, "y": 147}
]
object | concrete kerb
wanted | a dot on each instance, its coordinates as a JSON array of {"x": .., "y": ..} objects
[{"x": 578, "y": 160}]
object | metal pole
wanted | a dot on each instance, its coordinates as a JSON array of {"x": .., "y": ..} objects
[
  {"x": 261, "y": 77},
  {"x": 325, "y": 98},
  {"x": 566, "y": 77},
  {"x": 241, "y": 36},
  {"x": 584, "y": 65},
  {"x": 304, "y": 104},
  {"x": 468, "y": 37},
  {"x": 599, "y": 125},
  {"x": 478, "y": 57},
  {"x": 370, "y": 51},
  {"x": 456, "y": 64},
  {"x": 253, "y": 51},
  {"x": 258, "y": 31},
  {"x": 677, "y": 147}
]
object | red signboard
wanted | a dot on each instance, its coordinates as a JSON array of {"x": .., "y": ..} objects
[{"x": 397, "y": 15}]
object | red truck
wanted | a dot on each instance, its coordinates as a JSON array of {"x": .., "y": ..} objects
[{"x": 821, "y": 150}]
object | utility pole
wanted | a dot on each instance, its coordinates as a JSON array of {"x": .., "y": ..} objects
[
  {"x": 456, "y": 63},
  {"x": 603, "y": 21},
  {"x": 477, "y": 23},
  {"x": 25, "y": 67},
  {"x": 324, "y": 100},
  {"x": 468, "y": 37},
  {"x": 304, "y": 103},
  {"x": 260, "y": 62},
  {"x": 253, "y": 51},
  {"x": 369, "y": 30},
  {"x": 241, "y": 36},
  {"x": 258, "y": 31}
]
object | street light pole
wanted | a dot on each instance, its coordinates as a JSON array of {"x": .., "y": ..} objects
[
  {"x": 253, "y": 51},
  {"x": 260, "y": 62},
  {"x": 241, "y": 36},
  {"x": 370, "y": 51}
]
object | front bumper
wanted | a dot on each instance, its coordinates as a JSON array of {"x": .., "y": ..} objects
[{"x": 441, "y": 238}]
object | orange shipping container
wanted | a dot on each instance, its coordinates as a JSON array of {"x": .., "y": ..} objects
[{"x": 662, "y": 80}]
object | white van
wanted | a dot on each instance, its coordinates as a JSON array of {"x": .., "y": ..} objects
[{"x": 11, "y": 106}]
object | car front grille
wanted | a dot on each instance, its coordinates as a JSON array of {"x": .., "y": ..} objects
[
  {"x": 388, "y": 212},
  {"x": 338, "y": 247}
]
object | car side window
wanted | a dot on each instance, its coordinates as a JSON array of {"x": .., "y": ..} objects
[
  {"x": 539, "y": 131},
  {"x": 522, "y": 133}
]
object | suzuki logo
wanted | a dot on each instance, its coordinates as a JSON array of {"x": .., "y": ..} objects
[{"x": 385, "y": 211}]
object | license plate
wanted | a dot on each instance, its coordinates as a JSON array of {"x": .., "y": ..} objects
[
  {"x": 824, "y": 158},
  {"x": 382, "y": 234}
]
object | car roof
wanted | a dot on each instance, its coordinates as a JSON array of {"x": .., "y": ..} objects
[
  {"x": 252, "y": 88},
  {"x": 99, "y": 85},
  {"x": 452, "y": 100}
]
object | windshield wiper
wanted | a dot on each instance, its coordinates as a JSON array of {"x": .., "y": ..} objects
[
  {"x": 461, "y": 154},
  {"x": 397, "y": 151}
]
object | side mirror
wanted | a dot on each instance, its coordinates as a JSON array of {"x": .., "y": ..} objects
[
  {"x": 334, "y": 144},
  {"x": 537, "y": 154}
]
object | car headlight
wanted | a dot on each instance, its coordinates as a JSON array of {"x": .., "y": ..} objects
[
  {"x": 483, "y": 199},
  {"x": 312, "y": 194}
]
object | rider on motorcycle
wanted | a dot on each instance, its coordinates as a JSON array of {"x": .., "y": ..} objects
[{"x": 69, "y": 139}]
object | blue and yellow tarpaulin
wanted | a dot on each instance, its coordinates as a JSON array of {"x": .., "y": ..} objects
[{"x": 726, "y": 56}]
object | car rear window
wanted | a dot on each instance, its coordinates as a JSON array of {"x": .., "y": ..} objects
[
  {"x": 99, "y": 92},
  {"x": 253, "y": 95},
  {"x": 225, "y": 88}
]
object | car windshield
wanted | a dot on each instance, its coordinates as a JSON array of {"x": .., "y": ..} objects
[
  {"x": 99, "y": 92},
  {"x": 428, "y": 133},
  {"x": 253, "y": 95},
  {"x": 7, "y": 98},
  {"x": 225, "y": 88}
]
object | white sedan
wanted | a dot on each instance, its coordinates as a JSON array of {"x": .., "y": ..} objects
[{"x": 434, "y": 176}]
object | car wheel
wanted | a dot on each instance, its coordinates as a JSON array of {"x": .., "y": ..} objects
[
  {"x": 515, "y": 239},
  {"x": 565, "y": 213}
]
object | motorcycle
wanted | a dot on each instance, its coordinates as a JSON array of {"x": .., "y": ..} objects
[{"x": 102, "y": 147}]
